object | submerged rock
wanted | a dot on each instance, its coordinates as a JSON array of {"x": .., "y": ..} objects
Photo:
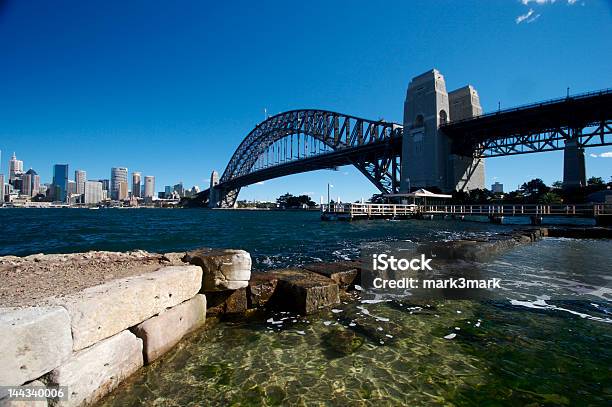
[
  {"x": 342, "y": 341},
  {"x": 224, "y": 269}
]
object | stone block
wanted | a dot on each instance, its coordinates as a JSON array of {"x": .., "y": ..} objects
[
  {"x": 344, "y": 273},
  {"x": 261, "y": 288},
  {"x": 160, "y": 333},
  {"x": 224, "y": 269},
  {"x": 227, "y": 302},
  {"x": 26, "y": 403},
  {"x": 33, "y": 341},
  {"x": 303, "y": 291},
  {"x": 94, "y": 372},
  {"x": 102, "y": 311}
]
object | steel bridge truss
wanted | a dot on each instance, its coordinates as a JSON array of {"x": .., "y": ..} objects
[
  {"x": 596, "y": 135},
  {"x": 303, "y": 140}
]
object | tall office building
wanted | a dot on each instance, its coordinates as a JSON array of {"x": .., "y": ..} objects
[
  {"x": 60, "y": 182},
  {"x": 15, "y": 168},
  {"x": 497, "y": 188},
  {"x": 80, "y": 177},
  {"x": 136, "y": 184},
  {"x": 105, "y": 185},
  {"x": 93, "y": 192},
  {"x": 149, "y": 186},
  {"x": 118, "y": 175},
  {"x": 122, "y": 193},
  {"x": 30, "y": 183},
  {"x": 1, "y": 188}
]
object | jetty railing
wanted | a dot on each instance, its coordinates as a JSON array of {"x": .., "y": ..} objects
[{"x": 375, "y": 210}]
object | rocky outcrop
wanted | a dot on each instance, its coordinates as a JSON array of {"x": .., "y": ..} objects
[
  {"x": 105, "y": 310},
  {"x": 344, "y": 273},
  {"x": 95, "y": 371},
  {"x": 483, "y": 249},
  {"x": 160, "y": 333},
  {"x": 224, "y": 269},
  {"x": 32, "y": 342}
]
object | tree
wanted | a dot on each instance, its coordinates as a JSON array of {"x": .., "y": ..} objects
[
  {"x": 595, "y": 181},
  {"x": 550, "y": 198},
  {"x": 290, "y": 201},
  {"x": 557, "y": 185},
  {"x": 534, "y": 189}
]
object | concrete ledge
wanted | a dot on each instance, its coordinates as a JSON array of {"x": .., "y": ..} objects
[
  {"x": 160, "y": 333},
  {"x": 105, "y": 310},
  {"x": 93, "y": 372},
  {"x": 32, "y": 342}
]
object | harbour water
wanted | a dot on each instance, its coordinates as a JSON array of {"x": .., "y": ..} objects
[{"x": 545, "y": 341}]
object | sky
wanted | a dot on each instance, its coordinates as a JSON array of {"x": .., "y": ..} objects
[{"x": 170, "y": 89}]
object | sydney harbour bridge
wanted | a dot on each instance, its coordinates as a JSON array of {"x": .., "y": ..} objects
[{"x": 442, "y": 142}]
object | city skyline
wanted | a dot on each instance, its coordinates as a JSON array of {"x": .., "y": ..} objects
[{"x": 182, "y": 115}]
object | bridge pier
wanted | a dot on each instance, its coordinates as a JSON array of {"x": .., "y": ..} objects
[
  {"x": 426, "y": 158},
  {"x": 213, "y": 197},
  {"x": 574, "y": 169}
]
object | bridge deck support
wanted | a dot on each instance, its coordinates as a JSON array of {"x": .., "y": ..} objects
[{"x": 574, "y": 169}]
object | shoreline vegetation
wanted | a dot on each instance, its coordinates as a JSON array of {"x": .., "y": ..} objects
[{"x": 69, "y": 318}]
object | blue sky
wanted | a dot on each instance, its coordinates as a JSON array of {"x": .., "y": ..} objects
[{"x": 171, "y": 88}]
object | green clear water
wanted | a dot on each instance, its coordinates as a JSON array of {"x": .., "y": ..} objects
[{"x": 546, "y": 341}]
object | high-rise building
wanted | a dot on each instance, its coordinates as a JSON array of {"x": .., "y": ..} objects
[
  {"x": 136, "y": 184},
  {"x": 80, "y": 177},
  {"x": 118, "y": 175},
  {"x": 105, "y": 185},
  {"x": 179, "y": 189},
  {"x": 60, "y": 182},
  {"x": 497, "y": 188},
  {"x": 1, "y": 188},
  {"x": 30, "y": 183},
  {"x": 122, "y": 193},
  {"x": 149, "y": 182},
  {"x": 93, "y": 192},
  {"x": 15, "y": 168}
]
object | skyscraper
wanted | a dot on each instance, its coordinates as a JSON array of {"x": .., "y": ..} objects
[
  {"x": 136, "y": 184},
  {"x": 80, "y": 177},
  {"x": 149, "y": 186},
  {"x": 1, "y": 188},
  {"x": 60, "y": 182},
  {"x": 15, "y": 168},
  {"x": 93, "y": 192},
  {"x": 122, "y": 194},
  {"x": 118, "y": 175}
]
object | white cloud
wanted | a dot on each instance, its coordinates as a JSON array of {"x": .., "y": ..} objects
[
  {"x": 260, "y": 183},
  {"x": 525, "y": 16},
  {"x": 529, "y": 17},
  {"x": 607, "y": 154}
]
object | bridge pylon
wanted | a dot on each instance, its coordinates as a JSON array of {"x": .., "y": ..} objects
[
  {"x": 427, "y": 161},
  {"x": 574, "y": 168}
]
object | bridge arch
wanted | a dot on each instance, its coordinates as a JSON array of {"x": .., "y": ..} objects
[{"x": 371, "y": 146}]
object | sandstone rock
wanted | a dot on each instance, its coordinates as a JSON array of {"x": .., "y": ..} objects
[
  {"x": 261, "y": 288},
  {"x": 224, "y": 269},
  {"x": 227, "y": 302},
  {"x": 344, "y": 273},
  {"x": 32, "y": 342},
  {"x": 105, "y": 310},
  {"x": 303, "y": 291},
  {"x": 26, "y": 403},
  {"x": 94, "y": 372},
  {"x": 174, "y": 258},
  {"x": 160, "y": 333}
]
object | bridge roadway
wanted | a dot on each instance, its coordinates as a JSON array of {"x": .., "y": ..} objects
[{"x": 374, "y": 147}]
